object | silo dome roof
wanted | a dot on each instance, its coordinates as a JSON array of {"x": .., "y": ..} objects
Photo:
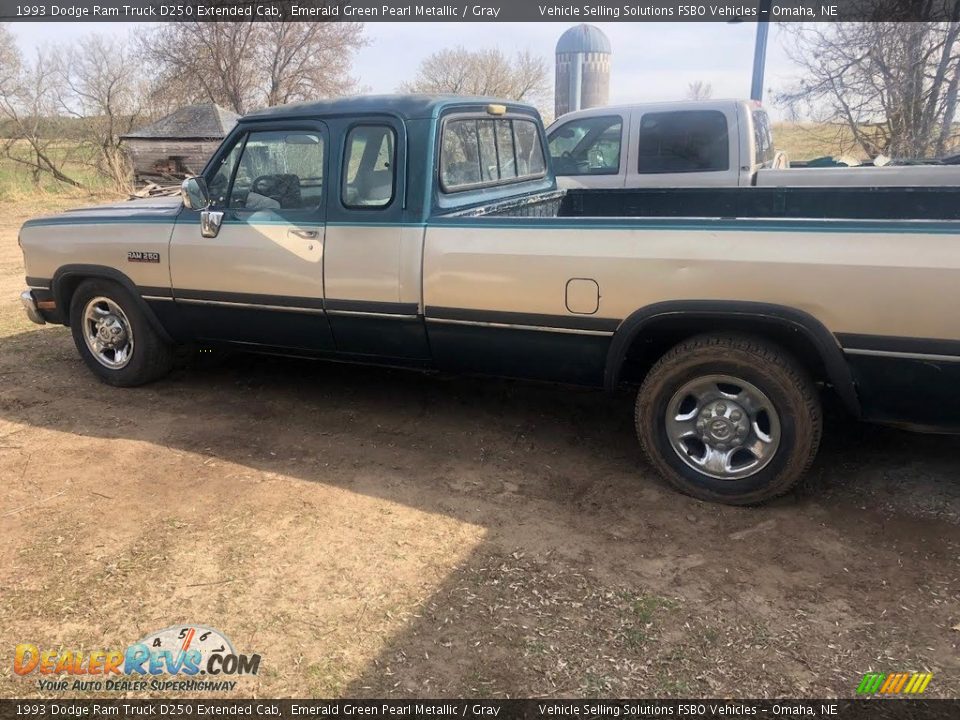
[{"x": 583, "y": 39}]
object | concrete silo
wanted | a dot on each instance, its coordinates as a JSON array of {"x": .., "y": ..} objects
[{"x": 583, "y": 69}]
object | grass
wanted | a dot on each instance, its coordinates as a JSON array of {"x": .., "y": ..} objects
[
  {"x": 643, "y": 606},
  {"x": 17, "y": 180},
  {"x": 806, "y": 141}
]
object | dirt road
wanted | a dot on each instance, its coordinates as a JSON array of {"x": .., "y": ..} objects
[{"x": 372, "y": 533}]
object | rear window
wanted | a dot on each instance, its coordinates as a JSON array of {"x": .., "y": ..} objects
[
  {"x": 481, "y": 152},
  {"x": 683, "y": 141}
]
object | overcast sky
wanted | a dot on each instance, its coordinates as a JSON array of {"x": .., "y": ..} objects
[{"x": 651, "y": 61}]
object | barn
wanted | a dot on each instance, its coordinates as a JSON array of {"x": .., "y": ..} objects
[{"x": 179, "y": 144}]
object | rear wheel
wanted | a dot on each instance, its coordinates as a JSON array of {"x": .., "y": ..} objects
[
  {"x": 114, "y": 337},
  {"x": 729, "y": 419}
]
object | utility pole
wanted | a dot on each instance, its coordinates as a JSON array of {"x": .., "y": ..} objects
[{"x": 760, "y": 50}]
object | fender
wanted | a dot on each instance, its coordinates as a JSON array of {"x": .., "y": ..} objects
[
  {"x": 811, "y": 329},
  {"x": 84, "y": 272}
]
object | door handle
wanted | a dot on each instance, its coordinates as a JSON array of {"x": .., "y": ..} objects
[{"x": 305, "y": 234}]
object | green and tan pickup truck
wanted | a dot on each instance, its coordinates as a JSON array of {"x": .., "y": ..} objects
[{"x": 428, "y": 232}]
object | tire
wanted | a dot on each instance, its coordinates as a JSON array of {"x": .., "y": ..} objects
[
  {"x": 145, "y": 358},
  {"x": 776, "y": 399}
]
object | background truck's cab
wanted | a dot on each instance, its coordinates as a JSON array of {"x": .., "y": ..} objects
[{"x": 713, "y": 143}]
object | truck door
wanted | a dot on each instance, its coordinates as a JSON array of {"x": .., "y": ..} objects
[
  {"x": 372, "y": 257},
  {"x": 590, "y": 151},
  {"x": 260, "y": 280}
]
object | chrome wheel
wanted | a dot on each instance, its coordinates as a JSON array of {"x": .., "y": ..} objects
[
  {"x": 723, "y": 427},
  {"x": 107, "y": 332}
]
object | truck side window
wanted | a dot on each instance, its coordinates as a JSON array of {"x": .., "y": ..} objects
[
  {"x": 480, "y": 152},
  {"x": 279, "y": 170},
  {"x": 683, "y": 141},
  {"x": 369, "y": 162},
  {"x": 588, "y": 146}
]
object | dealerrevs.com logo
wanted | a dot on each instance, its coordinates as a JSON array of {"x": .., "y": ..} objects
[{"x": 180, "y": 657}]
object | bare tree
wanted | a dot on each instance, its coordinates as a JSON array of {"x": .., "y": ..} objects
[
  {"x": 100, "y": 84},
  {"x": 28, "y": 107},
  {"x": 484, "y": 72},
  {"x": 10, "y": 63},
  {"x": 244, "y": 65},
  {"x": 68, "y": 107},
  {"x": 309, "y": 60},
  {"x": 893, "y": 85},
  {"x": 699, "y": 90}
]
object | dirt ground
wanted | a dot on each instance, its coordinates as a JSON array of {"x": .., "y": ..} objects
[{"x": 375, "y": 533}]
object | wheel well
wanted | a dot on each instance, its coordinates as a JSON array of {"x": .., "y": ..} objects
[
  {"x": 661, "y": 335},
  {"x": 68, "y": 278},
  {"x": 65, "y": 290},
  {"x": 646, "y": 336}
]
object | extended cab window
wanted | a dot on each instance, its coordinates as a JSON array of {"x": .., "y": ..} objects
[
  {"x": 480, "y": 152},
  {"x": 279, "y": 170},
  {"x": 587, "y": 146},
  {"x": 368, "y": 167},
  {"x": 683, "y": 141}
]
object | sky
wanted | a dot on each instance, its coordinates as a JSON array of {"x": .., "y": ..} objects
[{"x": 651, "y": 61}]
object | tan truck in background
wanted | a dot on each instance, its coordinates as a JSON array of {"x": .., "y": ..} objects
[{"x": 701, "y": 143}]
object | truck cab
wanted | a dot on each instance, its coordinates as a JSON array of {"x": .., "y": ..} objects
[{"x": 713, "y": 143}]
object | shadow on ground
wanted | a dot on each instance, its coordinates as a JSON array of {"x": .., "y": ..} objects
[{"x": 593, "y": 576}]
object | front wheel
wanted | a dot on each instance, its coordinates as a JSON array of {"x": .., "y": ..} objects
[
  {"x": 729, "y": 419},
  {"x": 114, "y": 337}
]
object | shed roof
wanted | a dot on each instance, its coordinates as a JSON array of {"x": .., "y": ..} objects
[{"x": 206, "y": 120}]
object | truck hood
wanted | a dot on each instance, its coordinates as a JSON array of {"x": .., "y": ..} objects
[{"x": 157, "y": 209}]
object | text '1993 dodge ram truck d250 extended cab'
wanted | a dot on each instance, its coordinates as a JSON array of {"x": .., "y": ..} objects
[{"x": 428, "y": 232}]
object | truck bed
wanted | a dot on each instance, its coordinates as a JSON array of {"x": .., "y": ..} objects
[{"x": 854, "y": 203}]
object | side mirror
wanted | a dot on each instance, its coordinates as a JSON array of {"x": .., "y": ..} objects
[
  {"x": 210, "y": 222},
  {"x": 196, "y": 197},
  {"x": 194, "y": 193}
]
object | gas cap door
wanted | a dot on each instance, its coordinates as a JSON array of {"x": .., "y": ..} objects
[{"x": 583, "y": 296}]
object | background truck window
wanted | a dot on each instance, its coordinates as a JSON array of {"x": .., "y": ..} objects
[
  {"x": 369, "y": 173},
  {"x": 683, "y": 141},
  {"x": 763, "y": 138},
  {"x": 479, "y": 152},
  {"x": 587, "y": 146},
  {"x": 279, "y": 170}
]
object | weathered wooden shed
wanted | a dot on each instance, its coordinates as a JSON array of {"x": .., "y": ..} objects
[{"x": 180, "y": 143}]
